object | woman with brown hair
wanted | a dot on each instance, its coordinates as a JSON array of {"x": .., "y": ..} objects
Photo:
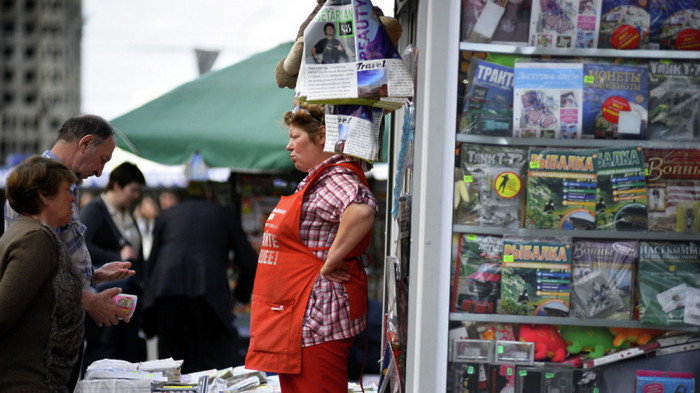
[
  {"x": 41, "y": 317},
  {"x": 310, "y": 292}
]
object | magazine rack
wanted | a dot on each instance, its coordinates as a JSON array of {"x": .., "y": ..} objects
[{"x": 572, "y": 143}]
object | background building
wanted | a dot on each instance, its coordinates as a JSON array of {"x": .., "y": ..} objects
[{"x": 39, "y": 73}]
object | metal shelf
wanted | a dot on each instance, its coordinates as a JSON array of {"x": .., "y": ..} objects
[
  {"x": 641, "y": 235},
  {"x": 519, "y": 319},
  {"x": 580, "y": 52}
]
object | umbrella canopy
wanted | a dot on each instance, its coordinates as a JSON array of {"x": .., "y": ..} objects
[{"x": 232, "y": 117}]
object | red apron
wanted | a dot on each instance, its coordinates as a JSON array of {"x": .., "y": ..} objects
[{"x": 286, "y": 272}]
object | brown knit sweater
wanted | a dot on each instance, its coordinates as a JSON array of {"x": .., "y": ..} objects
[{"x": 41, "y": 315}]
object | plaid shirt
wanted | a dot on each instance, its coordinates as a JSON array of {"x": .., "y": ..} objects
[
  {"x": 327, "y": 315},
  {"x": 72, "y": 234}
]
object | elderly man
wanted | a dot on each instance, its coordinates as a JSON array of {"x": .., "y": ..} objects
[{"x": 85, "y": 143}]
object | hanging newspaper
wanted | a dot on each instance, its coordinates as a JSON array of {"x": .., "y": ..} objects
[
  {"x": 354, "y": 130},
  {"x": 350, "y": 59}
]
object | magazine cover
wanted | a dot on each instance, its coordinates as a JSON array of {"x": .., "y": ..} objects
[
  {"x": 615, "y": 101},
  {"x": 624, "y": 24},
  {"x": 621, "y": 197},
  {"x": 488, "y": 106},
  {"x": 666, "y": 271},
  {"x": 476, "y": 285},
  {"x": 350, "y": 59},
  {"x": 565, "y": 23},
  {"x": 354, "y": 130},
  {"x": 675, "y": 24},
  {"x": 536, "y": 276},
  {"x": 561, "y": 189},
  {"x": 495, "y": 21},
  {"x": 674, "y": 100},
  {"x": 547, "y": 100},
  {"x": 603, "y": 279},
  {"x": 490, "y": 185},
  {"x": 673, "y": 189}
]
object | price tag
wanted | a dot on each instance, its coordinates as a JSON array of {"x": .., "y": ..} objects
[
  {"x": 507, "y": 258},
  {"x": 534, "y": 164},
  {"x": 468, "y": 179},
  {"x": 589, "y": 79},
  {"x": 471, "y": 237}
]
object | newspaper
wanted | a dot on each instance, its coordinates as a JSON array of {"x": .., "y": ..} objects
[
  {"x": 350, "y": 59},
  {"x": 354, "y": 130}
]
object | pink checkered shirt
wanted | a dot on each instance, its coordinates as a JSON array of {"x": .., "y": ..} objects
[{"x": 327, "y": 315}]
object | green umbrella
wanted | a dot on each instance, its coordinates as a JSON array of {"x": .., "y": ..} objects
[{"x": 232, "y": 117}]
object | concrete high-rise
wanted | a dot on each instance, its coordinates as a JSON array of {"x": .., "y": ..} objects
[{"x": 39, "y": 72}]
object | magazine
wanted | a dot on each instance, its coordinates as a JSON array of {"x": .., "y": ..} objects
[
  {"x": 561, "y": 189},
  {"x": 350, "y": 59},
  {"x": 615, "y": 101},
  {"x": 624, "y": 24},
  {"x": 476, "y": 285},
  {"x": 673, "y": 189},
  {"x": 536, "y": 276},
  {"x": 488, "y": 106},
  {"x": 675, "y": 24},
  {"x": 495, "y": 21},
  {"x": 666, "y": 271},
  {"x": 621, "y": 197},
  {"x": 565, "y": 23},
  {"x": 489, "y": 185},
  {"x": 603, "y": 279},
  {"x": 674, "y": 100},
  {"x": 354, "y": 130},
  {"x": 547, "y": 100}
]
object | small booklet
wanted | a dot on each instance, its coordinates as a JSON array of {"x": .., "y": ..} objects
[
  {"x": 624, "y": 24},
  {"x": 488, "y": 107},
  {"x": 547, "y": 100},
  {"x": 565, "y": 24}
]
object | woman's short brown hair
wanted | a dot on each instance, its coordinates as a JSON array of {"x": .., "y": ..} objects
[
  {"x": 308, "y": 117},
  {"x": 33, "y": 177}
]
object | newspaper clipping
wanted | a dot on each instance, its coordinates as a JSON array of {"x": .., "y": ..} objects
[{"x": 354, "y": 130}]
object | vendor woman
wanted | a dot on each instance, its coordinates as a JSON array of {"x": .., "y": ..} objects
[{"x": 310, "y": 293}]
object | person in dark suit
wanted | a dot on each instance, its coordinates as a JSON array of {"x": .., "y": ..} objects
[
  {"x": 187, "y": 297},
  {"x": 112, "y": 234}
]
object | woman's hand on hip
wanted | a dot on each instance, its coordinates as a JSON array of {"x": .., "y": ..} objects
[{"x": 335, "y": 271}]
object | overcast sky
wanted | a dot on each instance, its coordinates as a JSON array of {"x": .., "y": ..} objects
[{"x": 136, "y": 50}]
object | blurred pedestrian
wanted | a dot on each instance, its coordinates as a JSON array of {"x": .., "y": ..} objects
[
  {"x": 85, "y": 144},
  {"x": 112, "y": 234},
  {"x": 41, "y": 320},
  {"x": 310, "y": 294},
  {"x": 168, "y": 198},
  {"x": 187, "y": 297},
  {"x": 145, "y": 215},
  {"x": 85, "y": 198}
]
